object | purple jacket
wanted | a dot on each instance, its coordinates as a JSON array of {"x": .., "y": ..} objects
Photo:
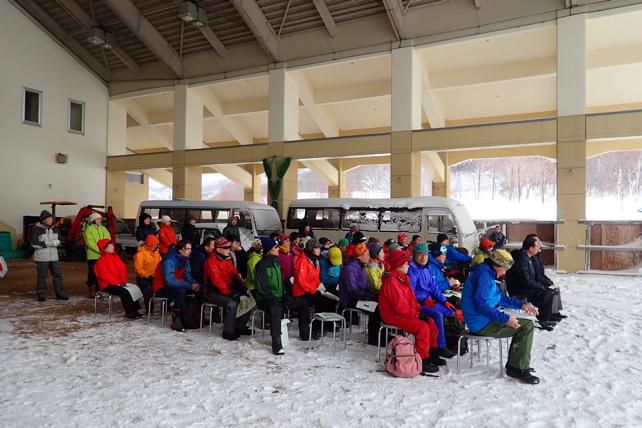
[
  {"x": 353, "y": 285},
  {"x": 424, "y": 285},
  {"x": 286, "y": 261}
]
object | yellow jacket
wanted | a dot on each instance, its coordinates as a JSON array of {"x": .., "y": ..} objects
[
  {"x": 478, "y": 256},
  {"x": 146, "y": 261},
  {"x": 374, "y": 273}
]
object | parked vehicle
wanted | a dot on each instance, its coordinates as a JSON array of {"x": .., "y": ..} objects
[{"x": 385, "y": 218}]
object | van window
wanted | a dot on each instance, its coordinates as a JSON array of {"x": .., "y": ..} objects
[
  {"x": 267, "y": 222},
  {"x": 222, "y": 216},
  {"x": 201, "y": 216},
  {"x": 323, "y": 218},
  {"x": 440, "y": 223},
  {"x": 401, "y": 220},
  {"x": 367, "y": 220},
  {"x": 296, "y": 218},
  {"x": 153, "y": 212}
]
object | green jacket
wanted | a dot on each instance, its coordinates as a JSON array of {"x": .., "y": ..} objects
[
  {"x": 478, "y": 256},
  {"x": 269, "y": 285},
  {"x": 252, "y": 261},
  {"x": 92, "y": 234}
]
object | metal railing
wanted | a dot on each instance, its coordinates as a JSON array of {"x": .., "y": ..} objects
[{"x": 588, "y": 247}]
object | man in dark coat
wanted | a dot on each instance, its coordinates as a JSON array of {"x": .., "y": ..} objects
[
  {"x": 498, "y": 237},
  {"x": 191, "y": 233},
  {"x": 540, "y": 274}
]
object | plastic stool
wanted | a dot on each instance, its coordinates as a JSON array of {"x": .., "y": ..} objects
[
  {"x": 211, "y": 306},
  {"x": 164, "y": 302},
  {"x": 328, "y": 317}
]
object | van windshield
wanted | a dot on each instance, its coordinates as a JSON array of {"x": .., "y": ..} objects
[{"x": 267, "y": 222}]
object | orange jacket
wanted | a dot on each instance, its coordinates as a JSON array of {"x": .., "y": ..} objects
[
  {"x": 145, "y": 262},
  {"x": 306, "y": 276},
  {"x": 109, "y": 269},
  {"x": 221, "y": 274},
  {"x": 167, "y": 237}
]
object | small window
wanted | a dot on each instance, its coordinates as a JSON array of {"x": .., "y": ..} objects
[
  {"x": 31, "y": 106},
  {"x": 134, "y": 177},
  {"x": 440, "y": 223},
  {"x": 324, "y": 218},
  {"x": 76, "y": 117},
  {"x": 153, "y": 212},
  {"x": 367, "y": 220},
  {"x": 296, "y": 218},
  {"x": 222, "y": 216},
  {"x": 401, "y": 221}
]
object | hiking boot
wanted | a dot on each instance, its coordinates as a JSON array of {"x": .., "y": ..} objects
[
  {"x": 428, "y": 367},
  {"x": 434, "y": 357},
  {"x": 277, "y": 347},
  {"x": 177, "y": 323},
  {"x": 42, "y": 298},
  {"x": 546, "y": 325},
  {"x": 244, "y": 331},
  {"x": 446, "y": 353},
  {"x": 91, "y": 291},
  {"x": 232, "y": 336},
  {"x": 558, "y": 317},
  {"x": 524, "y": 376},
  {"x": 62, "y": 297}
]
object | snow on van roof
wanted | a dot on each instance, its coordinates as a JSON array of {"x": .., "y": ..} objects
[
  {"x": 206, "y": 204},
  {"x": 348, "y": 203}
]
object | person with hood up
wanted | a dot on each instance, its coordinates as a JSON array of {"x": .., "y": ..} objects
[
  {"x": 331, "y": 264},
  {"x": 224, "y": 287},
  {"x": 403, "y": 241},
  {"x": 453, "y": 255},
  {"x": 166, "y": 235},
  {"x": 44, "y": 239},
  {"x": 231, "y": 231},
  {"x": 436, "y": 267},
  {"x": 145, "y": 228},
  {"x": 94, "y": 232},
  {"x": 433, "y": 303},
  {"x": 269, "y": 290},
  {"x": 480, "y": 303},
  {"x": 399, "y": 307},
  {"x": 198, "y": 258},
  {"x": 239, "y": 257},
  {"x": 481, "y": 253},
  {"x": 146, "y": 261},
  {"x": 191, "y": 233},
  {"x": 254, "y": 256},
  {"x": 173, "y": 280},
  {"x": 307, "y": 281},
  {"x": 376, "y": 267},
  {"x": 111, "y": 274}
]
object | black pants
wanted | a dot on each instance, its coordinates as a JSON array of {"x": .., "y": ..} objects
[
  {"x": 274, "y": 310},
  {"x": 145, "y": 285},
  {"x": 543, "y": 299},
  {"x": 303, "y": 306},
  {"x": 131, "y": 307},
  {"x": 230, "y": 305},
  {"x": 374, "y": 322},
  {"x": 91, "y": 276},
  {"x": 41, "y": 285}
]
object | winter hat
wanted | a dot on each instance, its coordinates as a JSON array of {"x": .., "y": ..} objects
[
  {"x": 323, "y": 241},
  {"x": 221, "y": 242},
  {"x": 258, "y": 245},
  {"x": 441, "y": 238},
  {"x": 389, "y": 242},
  {"x": 420, "y": 248},
  {"x": 335, "y": 257},
  {"x": 437, "y": 250},
  {"x": 397, "y": 259},
  {"x": 305, "y": 241},
  {"x": 374, "y": 250},
  {"x": 268, "y": 244},
  {"x": 151, "y": 241},
  {"x": 343, "y": 242},
  {"x": 166, "y": 219},
  {"x": 358, "y": 238},
  {"x": 501, "y": 258},
  {"x": 486, "y": 244},
  {"x": 92, "y": 217},
  {"x": 373, "y": 240},
  {"x": 311, "y": 244},
  {"x": 282, "y": 237},
  {"x": 401, "y": 236},
  {"x": 359, "y": 250},
  {"x": 44, "y": 215},
  {"x": 393, "y": 247}
]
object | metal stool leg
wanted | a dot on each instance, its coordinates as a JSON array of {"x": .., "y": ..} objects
[
  {"x": 345, "y": 342},
  {"x": 212, "y": 316},
  {"x": 501, "y": 358},
  {"x": 379, "y": 344},
  {"x": 109, "y": 301},
  {"x": 487, "y": 356}
]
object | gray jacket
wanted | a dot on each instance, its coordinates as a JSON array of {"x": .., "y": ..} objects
[{"x": 45, "y": 241}]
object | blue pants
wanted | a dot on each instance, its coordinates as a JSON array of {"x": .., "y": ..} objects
[
  {"x": 176, "y": 293},
  {"x": 437, "y": 314}
]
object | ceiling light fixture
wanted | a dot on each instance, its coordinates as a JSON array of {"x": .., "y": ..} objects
[
  {"x": 191, "y": 13},
  {"x": 101, "y": 37}
]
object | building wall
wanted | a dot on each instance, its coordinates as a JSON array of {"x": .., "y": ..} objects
[{"x": 28, "y": 172}]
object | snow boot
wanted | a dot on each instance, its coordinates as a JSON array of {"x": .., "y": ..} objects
[
  {"x": 232, "y": 336},
  {"x": 177, "y": 322},
  {"x": 244, "y": 331},
  {"x": 428, "y": 367},
  {"x": 446, "y": 353},
  {"x": 277, "y": 347},
  {"x": 434, "y": 358},
  {"x": 524, "y": 376}
]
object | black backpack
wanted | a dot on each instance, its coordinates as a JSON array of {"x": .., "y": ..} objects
[{"x": 455, "y": 328}]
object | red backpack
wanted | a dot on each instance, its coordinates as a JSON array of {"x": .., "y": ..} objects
[{"x": 402, "y": 359}]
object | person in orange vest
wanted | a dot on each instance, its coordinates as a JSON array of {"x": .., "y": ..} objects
[
  {"x": 166, "y": 235},
  {"x": 146, "y": 262},
  {"x": 111, "y": 274}
]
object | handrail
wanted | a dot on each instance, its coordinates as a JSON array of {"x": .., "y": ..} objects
[{"x": 616, "y": 248}]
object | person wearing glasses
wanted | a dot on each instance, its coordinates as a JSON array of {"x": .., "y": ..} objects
[{"x": 173, "y": 279}]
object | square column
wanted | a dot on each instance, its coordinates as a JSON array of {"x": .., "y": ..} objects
[
  {"x": 253, "y": 193},
  {"x": 571, "y": 65},
  {"x": 406, "y": 90},
  {"x": 115, "y": 193},
  {"x": 186, "y": 180},
  {"x": 188, "y": 119},
  {"x": 443, "y": 189},
  {"x": 405, "y": 167},
  {"x": 116, "y": 129},
  {"x": 338, "y": 191}
]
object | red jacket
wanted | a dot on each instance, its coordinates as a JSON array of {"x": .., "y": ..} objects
[
  {"x": 109, "y": 269},
  {"x": 306, "y": 276},
  {"x": 396, "y": 299},
  {"x": 167, "y": 237},
  {"x": 220, "y": 273}
]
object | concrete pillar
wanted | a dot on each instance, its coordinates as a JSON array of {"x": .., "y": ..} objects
[
  {"x": 116, "y": 129},
  {"x": 405, "y": 167},
  {"x": 443, "y": 189},
  {"x": 338, "y": 191},
  {"x": 115, "y": 194},
  {"x": 253, "y": 193},
  {"x": 186, "y": 182},
  {"x": 135, "y": 193},
  {"x": 571, "y": 140},
  {"x": 188, "y": 135},
  {"x": 283, "y": 125}
]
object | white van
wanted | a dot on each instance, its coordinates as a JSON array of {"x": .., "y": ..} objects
[
  {"x": 255, "y": 220},
  {"x": 385, "y": 218}
]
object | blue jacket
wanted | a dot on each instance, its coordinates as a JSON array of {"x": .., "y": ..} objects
[
  {"x": 172, "y": 261},
  {"x": 481, "y": 298},
  {"x": 354, "y": 285},
  {"x": 435, "y": 267},
  {"x": 329, "y": 273},
  {"x": 453, "y": 255},
  {"x": 424, "y": 286}
]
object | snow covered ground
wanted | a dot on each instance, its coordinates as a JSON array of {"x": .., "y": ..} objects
[{"x": 62, "y": 366}]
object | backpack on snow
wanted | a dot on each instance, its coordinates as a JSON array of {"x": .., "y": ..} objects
[{"x": 402, "y": 359}]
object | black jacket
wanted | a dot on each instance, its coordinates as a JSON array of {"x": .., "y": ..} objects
[
  {"x": 143, "y": 231},
  {"x": 192, "y": 234},
  {"x": 499, "y": 239},
  {"x": 540, "y": 275},
  {"x": 522, "y": 277},
  {"x": 197, "y": 264}
]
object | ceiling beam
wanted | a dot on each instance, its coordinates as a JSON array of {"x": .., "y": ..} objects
[
  {"x": 163, "y": 176},
  {"x": 394, "y": 9},
  {"x": 429, "y": 104},
  {"x": 63, "y": 37},
  {"x": 140, "y": 116},
  {"x": 322, "y": 118},
  {"x": 434, "y": 165},
  {"x": 324, "y": 169},
  {"x": 259, "y": 25},
  {"x": 326, "y": 16},
  {"x": 147, "y": 33},
  {"x": 86, "y": 21},
  {"x": 235, "y": 173},
  {"x": 214, "y": 105},
  {"x": 216, "y": 43}
]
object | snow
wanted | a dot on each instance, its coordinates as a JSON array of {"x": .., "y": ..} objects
[{"x": 81, "y": 370}]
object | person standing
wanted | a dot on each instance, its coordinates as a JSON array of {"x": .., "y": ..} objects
[
  {"x": 145, "y": 228},
  {"x": 44, "y": 239},
  {"x": 94, "y": 232},
  {"x": 269, "y": 290},
  {"x": 191, "y": 233}
]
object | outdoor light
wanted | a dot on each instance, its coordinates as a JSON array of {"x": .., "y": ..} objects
[
  {"x": 100, "y": 37},
  {"x": 192, "y": 13}
]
